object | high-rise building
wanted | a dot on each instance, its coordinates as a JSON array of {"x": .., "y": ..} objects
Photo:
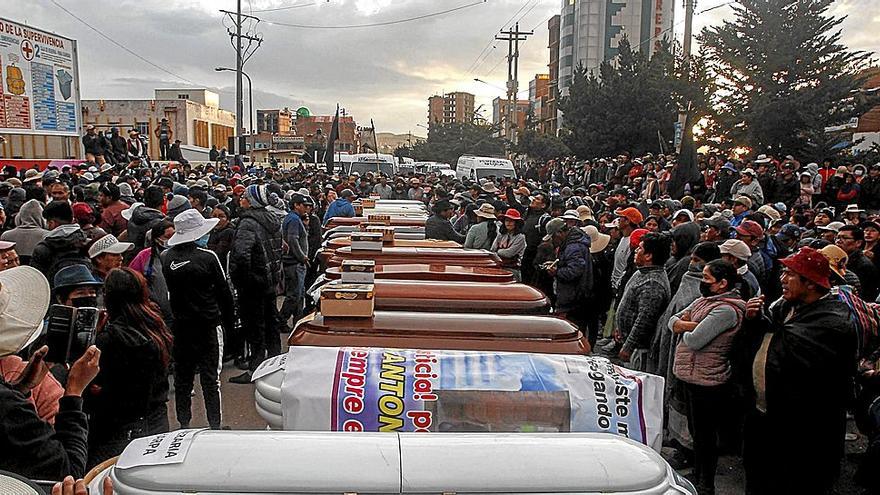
[
  {"x": 551, "y": 121},
  {"x": 592, "y": 29},
  {"x": 450, "y": 108},
  {"x": 539, "y": 93}
]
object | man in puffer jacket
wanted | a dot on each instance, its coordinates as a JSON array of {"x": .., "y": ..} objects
[
  {"x": 255, "y": 269},
  {"x": 572, "y": 273}
]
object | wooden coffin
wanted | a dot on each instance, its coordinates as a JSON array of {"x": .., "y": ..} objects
[{"x": 451, "y": 331}]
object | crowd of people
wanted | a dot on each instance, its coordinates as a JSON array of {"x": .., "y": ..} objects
[{"x": 750, "y": 285}]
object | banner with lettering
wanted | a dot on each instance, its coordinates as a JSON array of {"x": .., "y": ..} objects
[
  {"x": 39, "y": 93},
  {"x": 375, "y": 389}
]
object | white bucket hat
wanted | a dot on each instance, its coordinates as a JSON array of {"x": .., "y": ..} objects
[
  {"x": 128, "y": 212},
  {"x": 189, "y": 226},
  {"x": 24, "y": 299},
  {"x": 108, "y": 244}
]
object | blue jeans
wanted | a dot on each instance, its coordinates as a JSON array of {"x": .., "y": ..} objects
[{"x": 294, "y": 287}]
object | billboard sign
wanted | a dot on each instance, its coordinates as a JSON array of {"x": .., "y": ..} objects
[{"x": 39, "y": 91}]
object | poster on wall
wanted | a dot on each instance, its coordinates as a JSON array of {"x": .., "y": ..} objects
[{"x": 39, "y": 88}]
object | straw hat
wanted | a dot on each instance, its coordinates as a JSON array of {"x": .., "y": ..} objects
[
  {"x": 598, "y": 240},
  {"x": 485, "y": 210}
]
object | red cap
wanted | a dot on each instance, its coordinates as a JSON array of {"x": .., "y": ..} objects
[
  {"x": 512, "y": 214},
  {"x": 810, "y": 264},
  {"x": 238, "y": 190},
  {"x": 631, "y": 214},
  {"x": 750, "y": 228},
  {"x": 81, "y": 212},
  {"x": 636, "y": 237}
]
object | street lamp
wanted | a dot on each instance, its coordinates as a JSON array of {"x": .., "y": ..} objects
[{"x": 250, "y": 98}]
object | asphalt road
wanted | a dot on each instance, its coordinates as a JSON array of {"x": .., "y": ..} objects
[{"x": 239, "y": 414}]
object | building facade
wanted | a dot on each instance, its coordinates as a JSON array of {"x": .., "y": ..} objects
[
  {"x": 457, "y": 107},
  {"x": 551, "y": 121},
  {"x": 500, "y": 113},
  {"x": 274, "y": 121},
  {"x": 591, "y": 30},
  {"x": 539, "y": 94},
  {"x": 195, "y": 117}
]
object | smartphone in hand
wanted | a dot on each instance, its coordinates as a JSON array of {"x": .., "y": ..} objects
[{"x": 70, "y": 331}]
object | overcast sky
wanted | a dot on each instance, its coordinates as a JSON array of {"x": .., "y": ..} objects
[{"x": 386, "y": 73}]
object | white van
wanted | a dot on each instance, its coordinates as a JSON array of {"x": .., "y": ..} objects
[
  {"x": 480, "y": 167},
  {"x": 263, "y": 462}
]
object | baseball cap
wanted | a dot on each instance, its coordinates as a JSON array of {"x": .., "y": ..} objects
[
  {"x": 832, "y": 227},
  {"x": 108, "y": 244},
  {"x": 631, "y": 214},
  {"x": 736, "y": 248},
  {"x": 553, "y": 227},
  {"x": 750, "y": 228},
  {"x": 744, "y": 200}
]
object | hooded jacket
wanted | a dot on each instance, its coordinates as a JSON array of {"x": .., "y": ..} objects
[
  {"x": 142, "y": 220},
  {"x": 686, "y": 236},
  {"x": 574, "y": 271},
  {"x": 339, "y": 208},
  {"x": 30, "y": 229},
  {"x": 64, "y": 246},
  {"x": 255, "y": 258}
]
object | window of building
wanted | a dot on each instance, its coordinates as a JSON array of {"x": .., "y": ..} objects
[
  {"x": 143, "y": 128},
  {"x": 568, "y": 20},
  {"x": 566, "y": 61},
  {"x": 568, "y": 40}
]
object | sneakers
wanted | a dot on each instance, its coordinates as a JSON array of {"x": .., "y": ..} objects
[{"x": 242, "y": 379}]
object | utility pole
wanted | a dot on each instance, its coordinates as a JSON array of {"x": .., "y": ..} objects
[
  {"x": 242, "y": 55},
  {"x": 684, "y": 114},
  {"x": 513, "y": 37}
]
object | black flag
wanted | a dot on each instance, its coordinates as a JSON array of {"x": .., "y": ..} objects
[{"x": 330, "y": 154}]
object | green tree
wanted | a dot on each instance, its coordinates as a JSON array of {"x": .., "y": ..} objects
[
  {"x": 783, "y": 76},
  {"x": 631, "y": 104},
  {"x": 541, "y": 147},
  {"x": 447, "y": 142}
]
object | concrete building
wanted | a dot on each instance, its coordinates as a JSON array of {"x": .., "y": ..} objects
[
  {"x": 275, "y": 121},
  {"x": 551, "y": 121},
  {"x": 500, "y": 114},
  {"x": 539, "y": 93},
  {"x": 591, "y": 30},
  {"x": 450, "y": 108},
  {"x": 194, "y": 114},
  {"x": 316, "y": 129}
]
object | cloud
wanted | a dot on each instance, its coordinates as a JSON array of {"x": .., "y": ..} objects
[{"x": 385, "y": 73}]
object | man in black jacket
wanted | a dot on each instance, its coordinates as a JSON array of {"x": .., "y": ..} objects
[
  {"x": 531, "y": 228},
  {"x": 851, "y": 239},
  {"x": 802, "y": 373},
  {"x": 255, "y": 269},
  {"x": 438, "y": 225},
  {"x": 869, "y": 198},
  {"x": 29, "y": 446},
  {"x": 93, "y": 146},
  {"x": 202, "y": 306}
]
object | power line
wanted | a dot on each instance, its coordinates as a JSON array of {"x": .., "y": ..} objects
[
  {"x": 483, "y": 53},
  {"x": 120, "y": 45},
  {"x": 289, "y": 7},
  {"x": 377, "y": 24}
]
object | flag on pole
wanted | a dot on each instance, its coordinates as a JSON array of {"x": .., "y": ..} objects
[{"x": 330, "y": 154}]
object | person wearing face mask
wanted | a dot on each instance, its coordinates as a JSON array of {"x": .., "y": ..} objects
[
  {"x": 149, "y": 264},
  {"x": 202, "y": 305},
  {"x": 703, "y": 362}
]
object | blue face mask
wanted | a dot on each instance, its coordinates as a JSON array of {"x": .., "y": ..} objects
[{"x": 203, "y": 240}]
